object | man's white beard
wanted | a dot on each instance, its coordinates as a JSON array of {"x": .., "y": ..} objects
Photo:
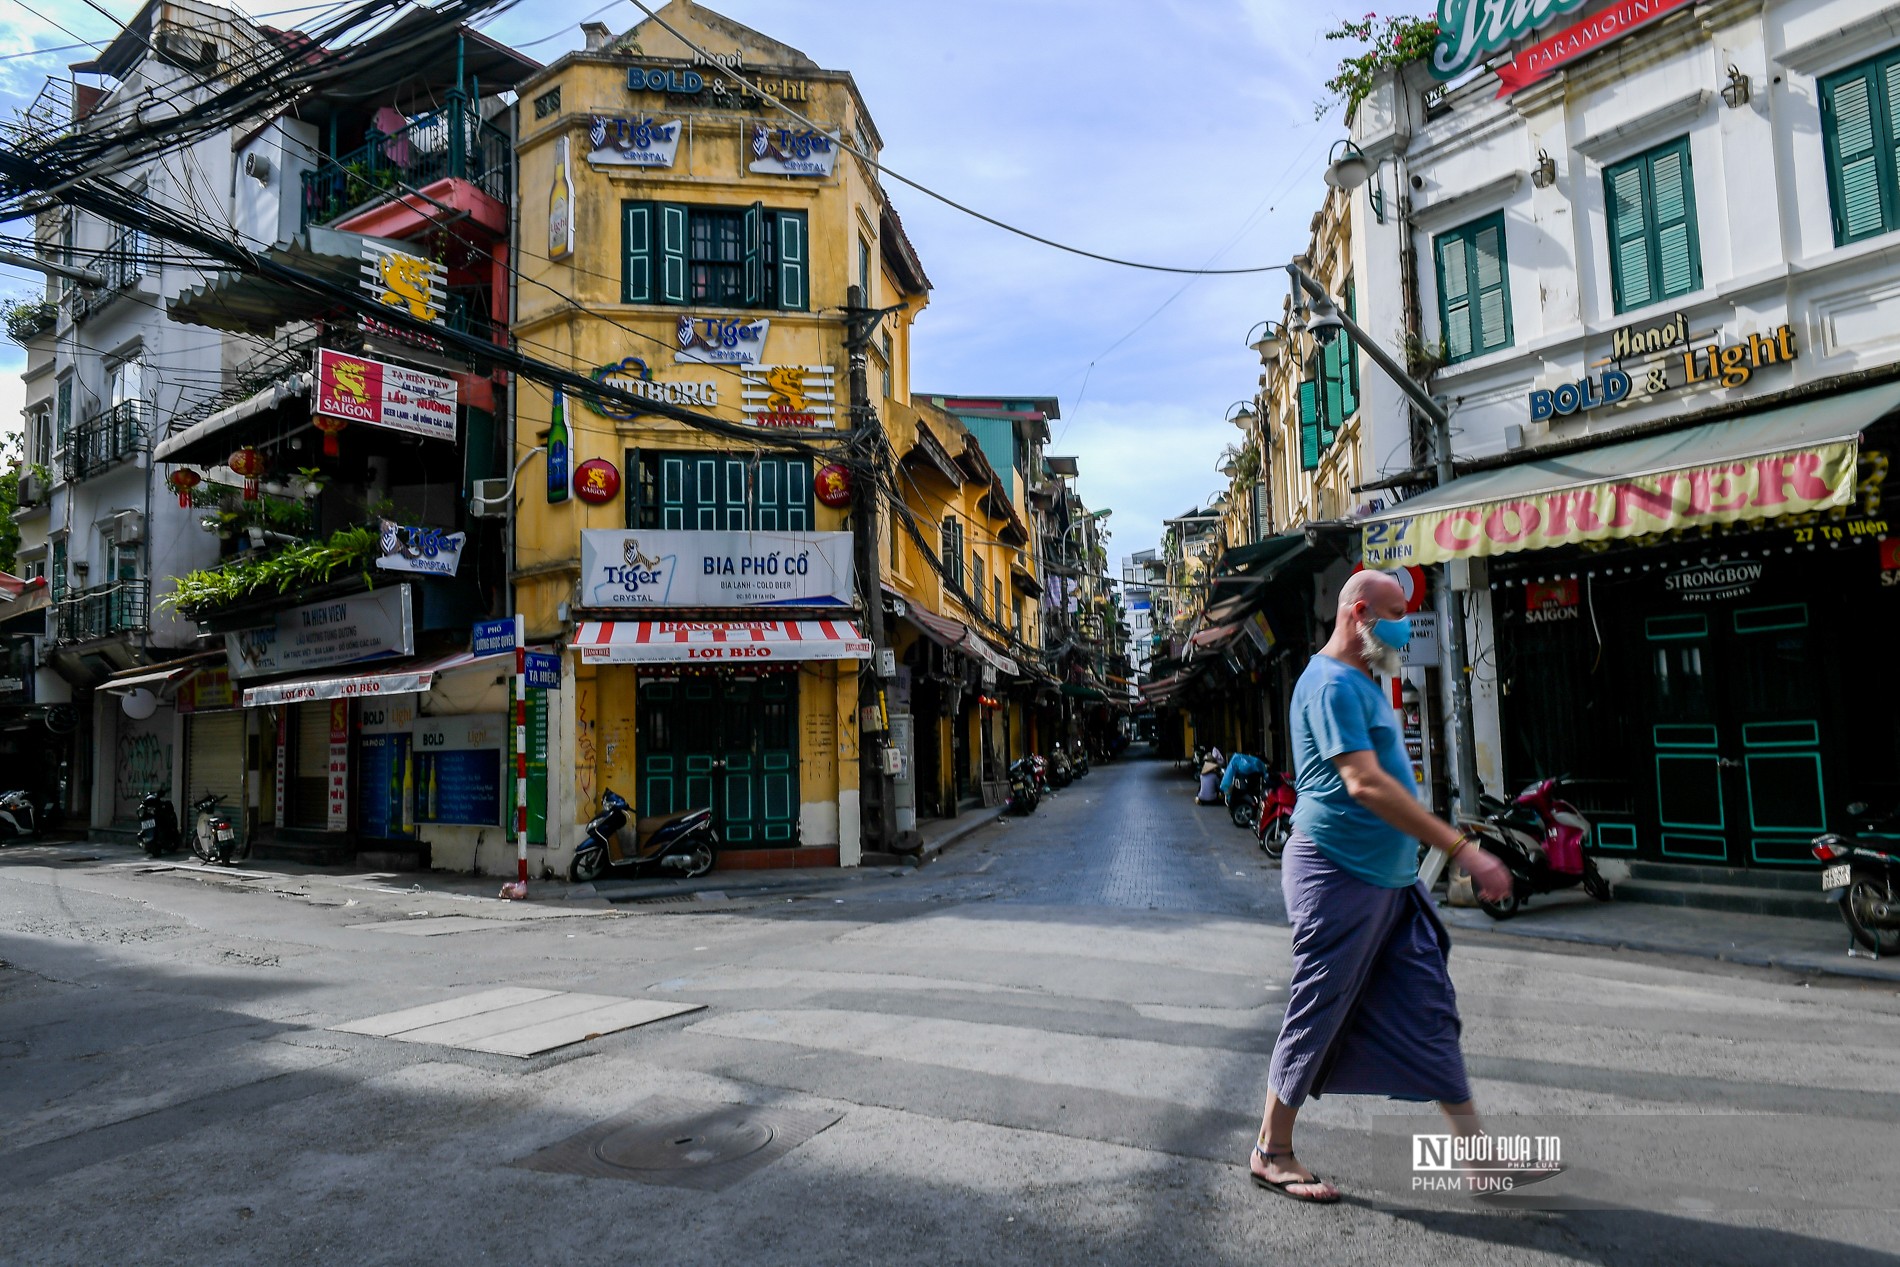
[{"x": 1382, "y": 659}]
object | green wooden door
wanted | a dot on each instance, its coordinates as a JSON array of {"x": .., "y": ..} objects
[{"x": 725, "y": 743}]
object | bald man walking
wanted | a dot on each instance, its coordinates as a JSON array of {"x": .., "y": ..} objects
[{"x": 1370, "y": 1008}]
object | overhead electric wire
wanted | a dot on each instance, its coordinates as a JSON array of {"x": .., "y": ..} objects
[{"x": 945, "y": 199}]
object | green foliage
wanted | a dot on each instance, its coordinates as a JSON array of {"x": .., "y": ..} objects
[
  {"x": 292, "y": 568},
  {"x": 26, "y": 318},
  {"x": 9, "y": 502},
  {"x": 1394, "y": 41}
]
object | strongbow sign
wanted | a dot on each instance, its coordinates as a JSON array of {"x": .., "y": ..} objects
[
  {"x": 673, "y": 568},
  {"x": 1579, "y": 38},
  {"x": 1785, "y": 483}
]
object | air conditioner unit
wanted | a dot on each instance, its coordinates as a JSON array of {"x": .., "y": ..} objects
[
  {"x": 128, "y": 527},
  {"x": 491, "y": 499}
]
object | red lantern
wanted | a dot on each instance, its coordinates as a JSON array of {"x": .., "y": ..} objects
[
  {"x": 832, "y": 486},
  {"x": 183, "y": 481},
  {"x": 249, "y": 463},
  {"x": 596, "y": 480},
  {"x": 329, "y": 427}
]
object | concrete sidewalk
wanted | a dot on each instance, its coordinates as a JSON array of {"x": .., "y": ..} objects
[{"x": 1765, "y": 941}]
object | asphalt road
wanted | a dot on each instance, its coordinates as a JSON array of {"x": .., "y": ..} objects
[{"x": 1049, "y": 1047}]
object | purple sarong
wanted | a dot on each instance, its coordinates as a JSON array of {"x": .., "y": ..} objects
[{"x": 1370, "y": 1010}]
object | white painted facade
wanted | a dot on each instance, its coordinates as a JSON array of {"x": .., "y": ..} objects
[{"x": 1762, "y": 208}]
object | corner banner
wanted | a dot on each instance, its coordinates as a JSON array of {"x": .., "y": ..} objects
[{"x": 1787, "y": 483}]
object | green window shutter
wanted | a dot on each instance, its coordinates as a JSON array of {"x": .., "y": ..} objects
[
  {"x": 1349, "y": 356},
  {"x": 631, "y": 491},
  {"x": 1672, "y": 212},
  {"x": 1454, "y": 293},
  {"x": 792, "y": 261},
  {"x": 1629, "y": 239},
  {"x": 676, "y": 491},
  {"x": 782, "y": 495},
  {"x": 754, "y": 255},
  {"x": 636, "y": 253},
  {"x": 1490, "y": 285},
  {"x": 1863, "y": 194},
  {"x": 672, "y": 252},
  {"x": 1309, "y": 425},
  {"x": 1331, "y": 390}
]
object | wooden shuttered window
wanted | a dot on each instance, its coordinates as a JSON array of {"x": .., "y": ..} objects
[
  {"x": 717, "y": 492},
  {"x": 950, "y": 547},
  {"x": 1650, "y": 200},
  {"x": 1309, "y": 425},
  {"x": 1860, "y": 128},
  {"x": 1474, "y": 300},
  {"x": 674, "y": 254}
]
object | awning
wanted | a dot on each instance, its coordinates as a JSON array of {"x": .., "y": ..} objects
[
  {"x": 202, "y": 441},
  {"x": 939, "y": 629},
  {"x": 1779, "y": 462},
  {"x": 1079, "y": 691},
  {"x": 382, "y": 678},
  {"x": 718, "y": 641},
  {"x": 976, "y": 646},
  {"x": 1022, "y": 580},
  {"x": 1214, "y": 637},
  {"x": 157, "y": 678}
]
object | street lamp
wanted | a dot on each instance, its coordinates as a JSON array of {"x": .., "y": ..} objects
[
  {"x": 1267, "y": 346},
  {"x": 1346, "y": 166},
  {"x": 1326, "y": 323},
  {"x": 1245, "y": 417}
]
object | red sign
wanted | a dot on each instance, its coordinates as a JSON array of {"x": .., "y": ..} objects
[
  {"x": 1890, "y": 554},
  {"x": 1544, "y": 57},
  {"x": 1411, "y": 579},
  {"x": 832, "y": 485},
  {"x": 1550, "y": 595},
  {"x": 379, "y": 394},
  {"x": 596, "y": 480}
]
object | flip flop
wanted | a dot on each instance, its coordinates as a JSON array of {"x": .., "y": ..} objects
[{"x": 1282, "y": 1186}]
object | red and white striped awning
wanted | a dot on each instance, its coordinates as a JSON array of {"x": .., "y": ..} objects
[
  {"x": 394, "y": 677},
  {"x": 718, "y": 641}
]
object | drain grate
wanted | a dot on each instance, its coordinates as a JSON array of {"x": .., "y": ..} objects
[{"x": 682, "y": 1143}]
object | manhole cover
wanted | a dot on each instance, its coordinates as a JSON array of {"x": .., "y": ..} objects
[
  {"x": 682, "y": 1143},
  {"x": 710, "y": 1140}
]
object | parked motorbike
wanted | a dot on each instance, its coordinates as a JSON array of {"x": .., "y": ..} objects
[
  {"x": 1243, "y": 799},
  {"x": 214, "y": 837},
  {"x": 1079, "y": 760},
  {"x": 1022, "y": 787},
  {"x": 1275, "y": 824},
  {"x": 1061, "y": 774},
  {"x": 158, "y": 824},
  {"x": 1864, "y": 881},
  {"x": 683, "y": 843},
  {"x": 1540, "y": 839},
  {"x": 19, "y": 820}
]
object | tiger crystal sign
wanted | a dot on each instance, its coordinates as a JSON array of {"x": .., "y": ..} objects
[{"x": 1765, "y": 486}]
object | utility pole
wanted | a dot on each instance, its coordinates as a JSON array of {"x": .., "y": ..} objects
[
  {"x": 1450, "y": 618},
  {"x": 877, "y": 808}
]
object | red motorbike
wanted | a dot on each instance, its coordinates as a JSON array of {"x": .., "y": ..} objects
[
  {"x": 1276, "y": 814},
  {"x": 1540, "y": 838}
]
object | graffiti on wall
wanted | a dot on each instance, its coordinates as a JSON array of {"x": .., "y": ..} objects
[
  {"x": 144, "y": 762},
  {"x": 584, "y": 754}
]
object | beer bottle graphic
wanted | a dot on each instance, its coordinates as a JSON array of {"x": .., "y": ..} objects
[
  {"x": 557, "y": 450},
  {"x": 561, "y": 205}
]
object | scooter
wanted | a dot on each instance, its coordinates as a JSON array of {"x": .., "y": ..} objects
[
  {"x": 18, "y": 819},
  {"x": 1243, "y": 799},
  {"x": 1276, "y": 814},
  {"x": 1540, "y": 839},
  {"x": 1079, "y": 762},
  {"x": 684, "y": 843},
  {"x": 1022, "y": 787},
  {"x": 158, "y": 824},
  {"x": 1864, "y": 881},
  {"x": 1061, "y": 774},
  {"x": 213, "y": 836}
]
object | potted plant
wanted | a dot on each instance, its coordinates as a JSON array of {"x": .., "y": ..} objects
[{"x": 307, "y": 482}]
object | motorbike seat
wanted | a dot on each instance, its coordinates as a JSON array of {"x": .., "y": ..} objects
[{"x": 1520, "y": 816}]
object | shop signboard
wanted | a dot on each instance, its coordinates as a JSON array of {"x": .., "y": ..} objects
[
  {"x": 634, "y": 376},
  {"x": 422, "y": 550},
  {"x": 398, "y": 279},
  {"x": 803, "y": 396},
  {"x": 1422, "y": 651},
  {"x": 380, "y": 394},
  {"x": 205, "y": 690},
  {"x": 339, "y": 818},
  {"x": 458, "y": 763},
  {"x": 1579, "y": 39},
  {"x": 792, "y": 151},
  {"x": 318, "y": 635},
  {"x": 1771, "y": 485},
  {"x": 720, "y": 340},
  {"x": 674, "y": 568},
  {"x": 618, "y": 141}
]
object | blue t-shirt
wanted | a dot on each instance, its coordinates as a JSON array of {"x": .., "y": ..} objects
[{"x": 1339, "y": 709}]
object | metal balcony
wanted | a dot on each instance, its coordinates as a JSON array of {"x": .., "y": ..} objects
[
  {"x": 454, "y": 142},
  {"x": 106, "y": 440},
  {"x": 123, "y": 262},
  {"x": 102, "y": 611}
]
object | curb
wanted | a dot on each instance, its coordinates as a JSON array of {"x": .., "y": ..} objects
[{"x": 934, "y": 847}]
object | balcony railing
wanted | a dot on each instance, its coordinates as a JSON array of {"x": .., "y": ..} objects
[
  {"x": 123, "y": 263},
  {"x": 102, "y": 611},
  {"x": 106, "y": 440},
  {"x": 453, "y": 142}
]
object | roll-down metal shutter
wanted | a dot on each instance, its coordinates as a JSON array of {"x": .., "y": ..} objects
[{"x": 214, "y": 761}]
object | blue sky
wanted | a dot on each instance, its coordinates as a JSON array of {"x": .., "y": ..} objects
[{"x": 1171, "y": 131}]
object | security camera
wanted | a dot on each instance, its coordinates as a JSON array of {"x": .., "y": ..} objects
[{"x": 1324, "y": 323}]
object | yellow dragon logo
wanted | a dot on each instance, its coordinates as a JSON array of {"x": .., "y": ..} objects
[
  {"x": 406, "y": 280},
  {"x": 788, "y": 389}
]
